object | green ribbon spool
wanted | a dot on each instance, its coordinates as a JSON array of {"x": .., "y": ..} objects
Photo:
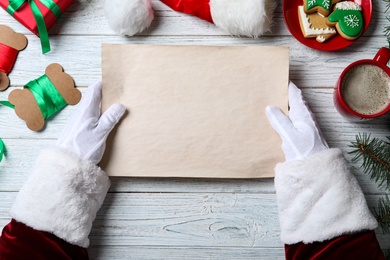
[
  {"x": 47, "y": 96},
  {"x": 2, "y": 149},
  {"x": 14, "y": 6}
]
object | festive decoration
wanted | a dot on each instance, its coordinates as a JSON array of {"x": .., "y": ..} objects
[
  {"x": 10, "y": 45},
  {"x": 348, "y": 19},
  {"x": 314, "y": 26},
  {"x": 247, "y": 18},
  {"x": 319, "y": 19},
  {"x": 43, "y": 97},
  {"x": 374, "y": 155},
  {"x": 37, "y": 15},
  {"x": 321, "y": 6}
]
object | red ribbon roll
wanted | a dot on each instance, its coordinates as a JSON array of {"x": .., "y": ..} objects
[{"x": 7, "y": 57}]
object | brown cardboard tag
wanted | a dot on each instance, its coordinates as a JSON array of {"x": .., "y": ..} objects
[
  {"x": 15, "y": 40},
  {"x": 26, "y": 107}
]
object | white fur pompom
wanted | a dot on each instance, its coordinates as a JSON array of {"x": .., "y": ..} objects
[
  {"x": 128, "y": 17},
  {"x": 245, "y": 17}
]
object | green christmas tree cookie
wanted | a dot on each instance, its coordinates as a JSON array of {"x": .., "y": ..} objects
[{"x": 323, "y": 7}]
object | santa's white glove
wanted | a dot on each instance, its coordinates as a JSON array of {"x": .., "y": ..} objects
[
  {"x": 318, "y": 197},
  {"x": 66, "y": 186},
  {"x": 86, "y": 131},
  {"x": 299, "y": 132}
]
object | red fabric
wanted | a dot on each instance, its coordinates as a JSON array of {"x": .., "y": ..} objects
[
  {"x": 199, "y": 8},
  {"x": 357, "y": 246},
  {"x": 19, "y": 241}
]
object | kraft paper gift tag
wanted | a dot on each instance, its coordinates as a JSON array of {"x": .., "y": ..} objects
[{"x": 194, "y": 111}]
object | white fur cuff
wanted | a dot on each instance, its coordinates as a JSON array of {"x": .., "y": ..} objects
[
  {"x": 319, "y": 199},
  {"x": 62, "y": 196},
  {"x": 128, "y": 17}
]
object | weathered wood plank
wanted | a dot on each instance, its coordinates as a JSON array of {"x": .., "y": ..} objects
[
  {"x": 186, "y": 220},
  {"x": 179, "y": 253}
]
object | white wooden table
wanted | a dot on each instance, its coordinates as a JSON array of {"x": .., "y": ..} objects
[{"x": 180, "y": 218}]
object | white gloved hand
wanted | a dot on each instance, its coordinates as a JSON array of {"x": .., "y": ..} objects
[
  {"x": 299, "y": 132},
  {"x": 86, "y": 131}
]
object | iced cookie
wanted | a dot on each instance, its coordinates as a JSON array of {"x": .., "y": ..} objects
[
  {"x": 314, "y": 26},
  {"x": 348, "y": 19},
  {"x": 323, "y": 7}
]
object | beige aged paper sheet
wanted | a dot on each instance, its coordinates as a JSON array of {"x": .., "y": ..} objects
[{"x": 194, "y": 111}]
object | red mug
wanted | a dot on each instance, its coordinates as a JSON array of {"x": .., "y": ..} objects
[{"x": 346, "y": 98}]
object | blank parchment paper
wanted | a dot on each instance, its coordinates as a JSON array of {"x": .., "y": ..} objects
[{"x": 194, "y": 111}]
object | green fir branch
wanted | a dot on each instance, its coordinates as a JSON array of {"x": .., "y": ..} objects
[
  {"x": 375, "y": 162},
  {"x": 382, "y": 214},
  {"x": 387, "y": 5},
  {"x": 375, "y": 154},
  {"x": 386, "y": 31}
]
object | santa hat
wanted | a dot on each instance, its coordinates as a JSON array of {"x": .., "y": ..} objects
[{"x": 238, "y": 17}]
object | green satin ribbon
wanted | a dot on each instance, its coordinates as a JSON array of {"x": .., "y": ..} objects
[
  {"x": 14, "y": 5},
  {"x": 47, "y": 96},
  {"x": 6, "y": 103},
  {"x": 2, "y": 149}
]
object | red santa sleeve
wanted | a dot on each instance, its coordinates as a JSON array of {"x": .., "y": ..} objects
[
  {"x": 55, "y": 208},
  {"x": 19, "y": 241},
  {"x": 322, "y": 210}
]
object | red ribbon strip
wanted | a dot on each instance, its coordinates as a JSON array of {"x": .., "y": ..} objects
[{"x": 7, "y": 58}]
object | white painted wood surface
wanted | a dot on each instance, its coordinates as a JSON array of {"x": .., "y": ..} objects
[{"x": 180, "y": 218}]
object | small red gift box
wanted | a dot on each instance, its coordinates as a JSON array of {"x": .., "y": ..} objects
[{"x": 25, "y": 15}]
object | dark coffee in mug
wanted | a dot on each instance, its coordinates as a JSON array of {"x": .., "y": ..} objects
[{"x": 366, "y": 89}]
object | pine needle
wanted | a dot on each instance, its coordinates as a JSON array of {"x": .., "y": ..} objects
[
  {"x": 386, "y": 31},
  {"x": 387, "y": 28},
  {"x": 375, "y": 154},
  {"x": 387, "y": 5},
  {"x": 382, "y": 214},
  {"x": 375, "y": 161}
]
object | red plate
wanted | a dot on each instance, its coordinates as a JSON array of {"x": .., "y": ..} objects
[{"x": 290, "y": 13}]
